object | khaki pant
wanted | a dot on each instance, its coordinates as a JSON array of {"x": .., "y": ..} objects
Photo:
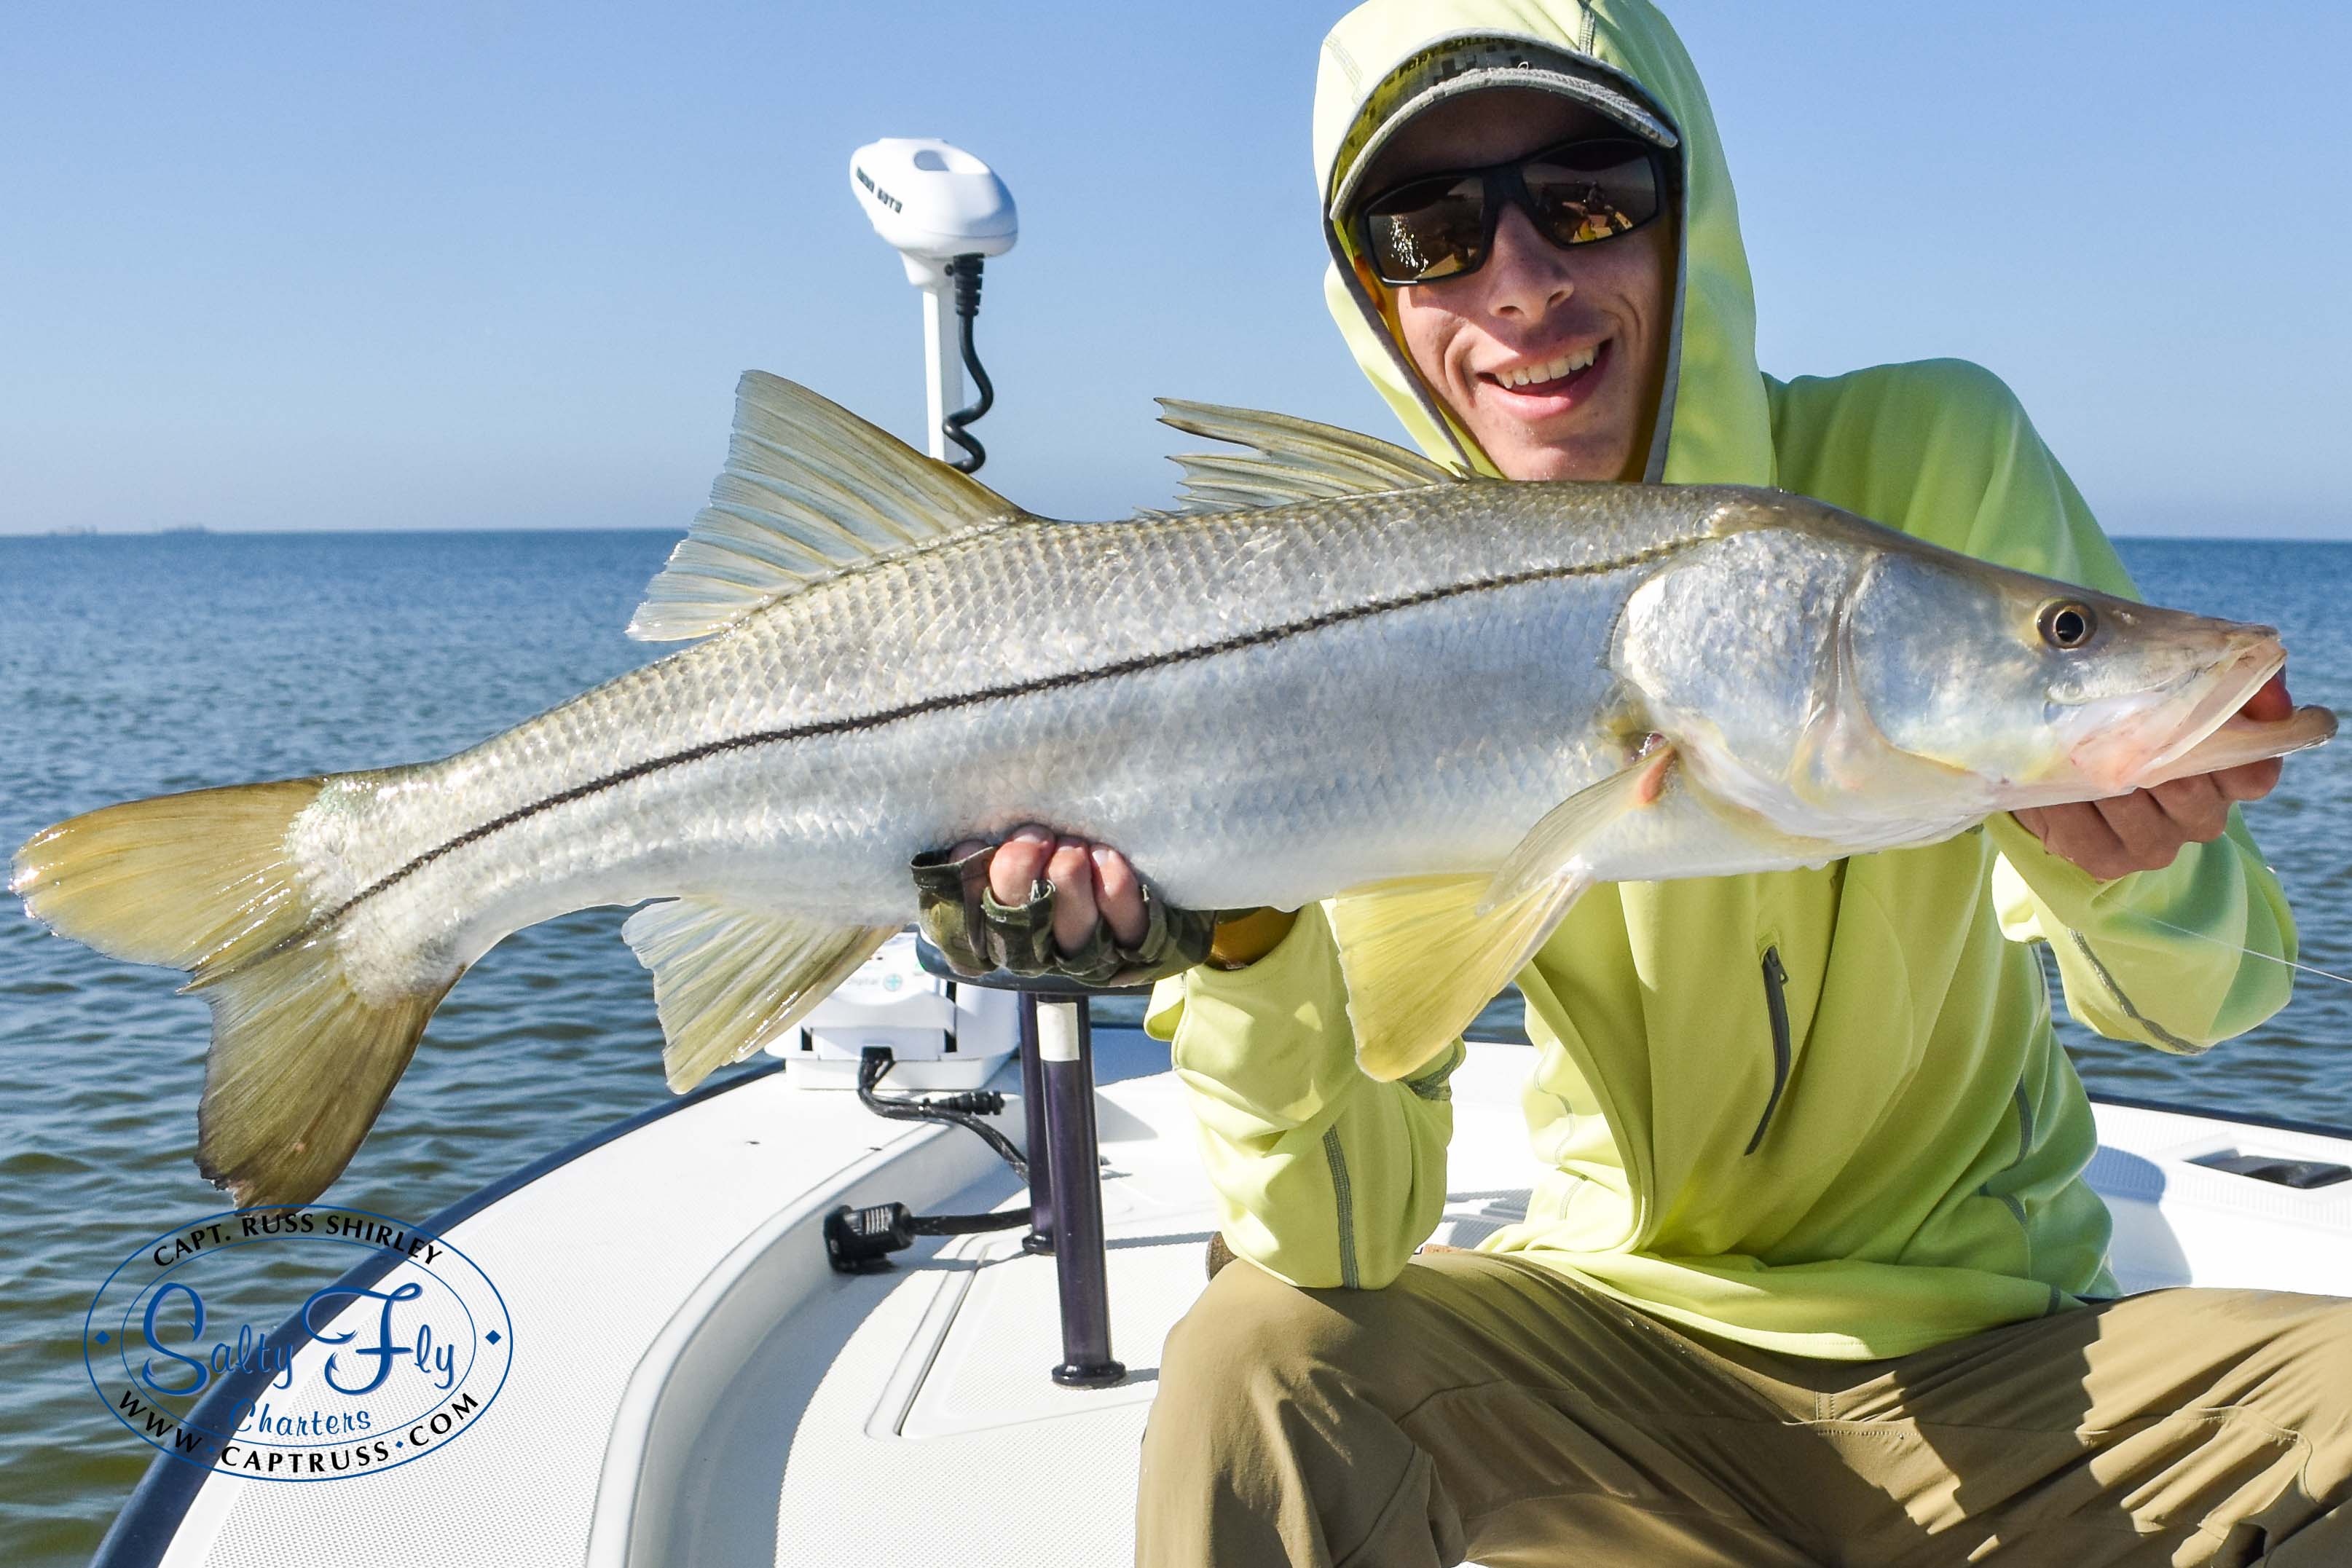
[{"x": 1484, "y": 1407}]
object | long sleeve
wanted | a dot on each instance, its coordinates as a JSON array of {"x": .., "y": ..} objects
[
  {"x": 1324, "y": 1176},
  {"x": 1944, "y": 450},
  {"x": 2157, "y": 955}
]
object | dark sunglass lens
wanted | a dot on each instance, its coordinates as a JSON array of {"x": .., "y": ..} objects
[
  {"x": 1593, "y": 189},
  {"x": 1427, "y": 230}
]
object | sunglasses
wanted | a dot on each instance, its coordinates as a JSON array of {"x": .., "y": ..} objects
[{"x": 1440, "y": 226}]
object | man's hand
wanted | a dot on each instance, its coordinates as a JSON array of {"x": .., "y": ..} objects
[
  {"x": 1094, "y": 882},
  {"x": 2144, "y": 830},
  {"x": 1089, "y": 880}
]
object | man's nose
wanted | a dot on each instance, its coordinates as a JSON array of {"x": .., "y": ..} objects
[{"x": 1527, "y": 274}]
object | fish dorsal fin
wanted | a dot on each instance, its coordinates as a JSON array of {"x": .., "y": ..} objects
[
  {"x": 1290, "y": 460},
  {"x": 1422, "y": 955},
  {"x": 728, "y": 978},
  {"x": 809, "y": 489}
]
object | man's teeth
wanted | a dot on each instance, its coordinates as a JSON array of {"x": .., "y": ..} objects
[{"x": 1550, "y": 370}]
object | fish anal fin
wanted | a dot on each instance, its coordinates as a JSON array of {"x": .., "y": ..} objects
[
  {"x": 729, "y": 977},
  {"x": 809, "y": 490}
]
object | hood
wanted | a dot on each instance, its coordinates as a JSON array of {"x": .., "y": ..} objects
[{"x": 1717, "y": 428}]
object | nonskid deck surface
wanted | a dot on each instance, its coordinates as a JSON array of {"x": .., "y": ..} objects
[
  {"x": 907, "y": 1417},
  {"x": 592, "y": 1258}
]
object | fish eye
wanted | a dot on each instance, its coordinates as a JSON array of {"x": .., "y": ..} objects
[{"x": 2068, "y": 623}]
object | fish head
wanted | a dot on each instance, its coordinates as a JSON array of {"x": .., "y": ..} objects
[
  {"x": 1737, "y": 651},
  {"x": 2048, "y": 692},
  {"x": 1855, "y": 686}
]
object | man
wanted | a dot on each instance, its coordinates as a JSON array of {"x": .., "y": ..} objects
[{"x": 1812, "y": 1274}]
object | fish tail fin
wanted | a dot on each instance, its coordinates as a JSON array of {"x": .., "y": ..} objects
[
  {"x": 301, "y": 1059},
  {"x": 196, "y": 880},
  {"x": 302, "y": 1063}
]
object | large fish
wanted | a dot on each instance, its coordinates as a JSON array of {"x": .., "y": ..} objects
[{"x": 1339, "y": 669}]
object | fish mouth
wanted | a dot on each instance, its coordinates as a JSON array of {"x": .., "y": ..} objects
[
  {"x": 2214, "y": 733},
  {"x": 2237, "y": 740},
  {"x": 2226, "y": 691}
]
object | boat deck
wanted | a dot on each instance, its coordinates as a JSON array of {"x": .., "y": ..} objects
[{"x": 692, "y": 1385}]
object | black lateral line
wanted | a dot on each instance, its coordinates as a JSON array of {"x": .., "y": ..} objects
[{"x": 693, "y": 754}]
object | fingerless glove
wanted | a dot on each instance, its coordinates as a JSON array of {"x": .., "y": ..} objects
[{"x": 960, "y": 916}]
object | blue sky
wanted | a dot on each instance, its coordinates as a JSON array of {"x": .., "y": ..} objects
[{"x": 498, "y": 265}]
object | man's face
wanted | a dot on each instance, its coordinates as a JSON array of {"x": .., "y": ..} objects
[{"x": 1534, "y": 304}]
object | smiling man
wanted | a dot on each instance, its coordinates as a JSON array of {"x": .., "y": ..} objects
[
  {"x": 1553, "y": 372},
  {"x": 1810, "y": 1272}
]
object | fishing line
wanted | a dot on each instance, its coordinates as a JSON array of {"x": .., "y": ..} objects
[{"x": 2249, "y": 952}]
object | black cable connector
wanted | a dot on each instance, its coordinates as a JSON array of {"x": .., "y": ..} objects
[
  {"x": 860, "y": 1241},
  {"x": 962, "y": 1110},
  {"x": 965, "y": 272}
]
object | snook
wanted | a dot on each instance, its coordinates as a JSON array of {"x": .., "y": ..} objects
[{"x": 1340, "y": 669}]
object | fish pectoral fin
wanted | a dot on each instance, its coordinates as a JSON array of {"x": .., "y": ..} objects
[
  {"x": 809, "y": 489},
  {"x": 1421, "y": 956},
  {"x": 1291, "y": 459},
  {"x": 728, "y": 978},
  {"x": 1544, "y": 854}
]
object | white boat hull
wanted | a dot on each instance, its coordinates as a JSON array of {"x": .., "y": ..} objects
[{"x": 694, "y": 1387}]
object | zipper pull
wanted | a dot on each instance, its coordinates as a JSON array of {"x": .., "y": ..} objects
[{"x": 1775, "y": 1009}]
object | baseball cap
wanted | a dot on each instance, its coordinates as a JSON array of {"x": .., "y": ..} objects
[{"x": 1474, "y": 62}]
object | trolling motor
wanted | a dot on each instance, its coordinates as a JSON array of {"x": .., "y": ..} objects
[{"x": 944, "y": 212}]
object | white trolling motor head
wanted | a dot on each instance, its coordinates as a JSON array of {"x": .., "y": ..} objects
[
  {"x": 944, "y": 212},
  {"x": 933, "y": 201}
]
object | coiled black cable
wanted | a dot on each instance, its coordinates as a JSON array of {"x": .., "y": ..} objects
[{"x": 965, "y": 271}]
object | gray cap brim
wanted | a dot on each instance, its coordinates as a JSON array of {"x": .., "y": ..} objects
[{"x": 1477, "y": 63}]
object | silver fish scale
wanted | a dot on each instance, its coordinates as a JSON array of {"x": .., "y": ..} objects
[{"x": 1255, "y": 706}]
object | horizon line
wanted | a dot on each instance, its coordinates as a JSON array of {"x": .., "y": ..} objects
[{"x": 189, "y": 532}]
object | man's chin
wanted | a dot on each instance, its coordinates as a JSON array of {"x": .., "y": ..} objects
[{"x": 1530, "y": 451}]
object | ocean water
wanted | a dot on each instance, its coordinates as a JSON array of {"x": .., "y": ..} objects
[{"x": 131, "y": 667}]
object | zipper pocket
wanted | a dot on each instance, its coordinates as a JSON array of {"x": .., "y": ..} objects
[{"x": 1776, "y": 1007}]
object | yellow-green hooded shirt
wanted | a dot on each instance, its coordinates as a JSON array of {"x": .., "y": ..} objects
[{"x": 1817, "y": 1110}]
